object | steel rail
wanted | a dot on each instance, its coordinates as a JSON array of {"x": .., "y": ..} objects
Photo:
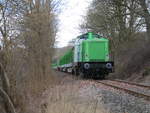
[
  {"x": 131, "y": 83},
  {"x": 134, "y": 93}
]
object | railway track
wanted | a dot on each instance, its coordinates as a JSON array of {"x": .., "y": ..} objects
[
  {"x": 134, "y": 89},
  {"x": 132, "y": 83}
]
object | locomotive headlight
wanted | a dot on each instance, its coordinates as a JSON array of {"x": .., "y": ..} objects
[
  {"x": 108, "y": 65},
  {"x": 86, "y": 65}
]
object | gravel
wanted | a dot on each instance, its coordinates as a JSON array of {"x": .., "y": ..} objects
[
  {"x": 112, "y": 100},
  {"x": 122, "y": 103}
]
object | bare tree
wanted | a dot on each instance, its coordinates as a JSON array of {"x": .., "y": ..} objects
[
  {"x": 39, "y": 38},
  {"x": 27, "y": 36},
  {"x": 115, "y": 19},
  {"x": 9, "y": 14},
  {"x": 146, "y": 14}
]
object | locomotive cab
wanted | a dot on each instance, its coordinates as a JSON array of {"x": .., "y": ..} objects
[{"x": 91, "y": 56}]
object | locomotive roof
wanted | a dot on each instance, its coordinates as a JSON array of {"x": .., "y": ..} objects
[{"x": 85, "y": 36}]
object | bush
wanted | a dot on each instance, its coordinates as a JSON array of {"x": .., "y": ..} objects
[{"x": 132, "y": 58}]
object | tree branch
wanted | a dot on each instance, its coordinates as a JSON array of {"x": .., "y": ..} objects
[{"x": 7, "y": 100}]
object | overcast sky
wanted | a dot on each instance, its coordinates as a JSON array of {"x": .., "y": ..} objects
[{"x": 70, "y": 18}]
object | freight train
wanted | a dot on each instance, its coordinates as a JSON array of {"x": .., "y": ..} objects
[{"x": 90, "y": 57}]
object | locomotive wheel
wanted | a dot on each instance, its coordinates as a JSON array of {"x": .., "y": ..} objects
[
  {"x": 76, "y": 72},
  {"x": 98, "y": 76},
  {"x": 92, "y": 76},
  {"x": 102, "y": 76},
  {"x": 81, "y": 75},
  {"x": 84, "y": 75},
  {"x": 72, "y": 72}
]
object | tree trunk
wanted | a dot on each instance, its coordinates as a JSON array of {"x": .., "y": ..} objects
[{"x": 146, "y": 16}]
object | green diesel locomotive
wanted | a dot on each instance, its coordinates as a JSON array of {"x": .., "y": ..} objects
[{"x": 89, "y": 57}]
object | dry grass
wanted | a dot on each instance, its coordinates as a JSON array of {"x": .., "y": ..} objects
[
  {"x": 66, "y": 99},
  {"x": 71, "y": 107}
]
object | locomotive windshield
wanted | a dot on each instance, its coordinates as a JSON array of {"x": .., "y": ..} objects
[
  {"x": 86, "y": 36},
  {"x": 96, "y": 36}
]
